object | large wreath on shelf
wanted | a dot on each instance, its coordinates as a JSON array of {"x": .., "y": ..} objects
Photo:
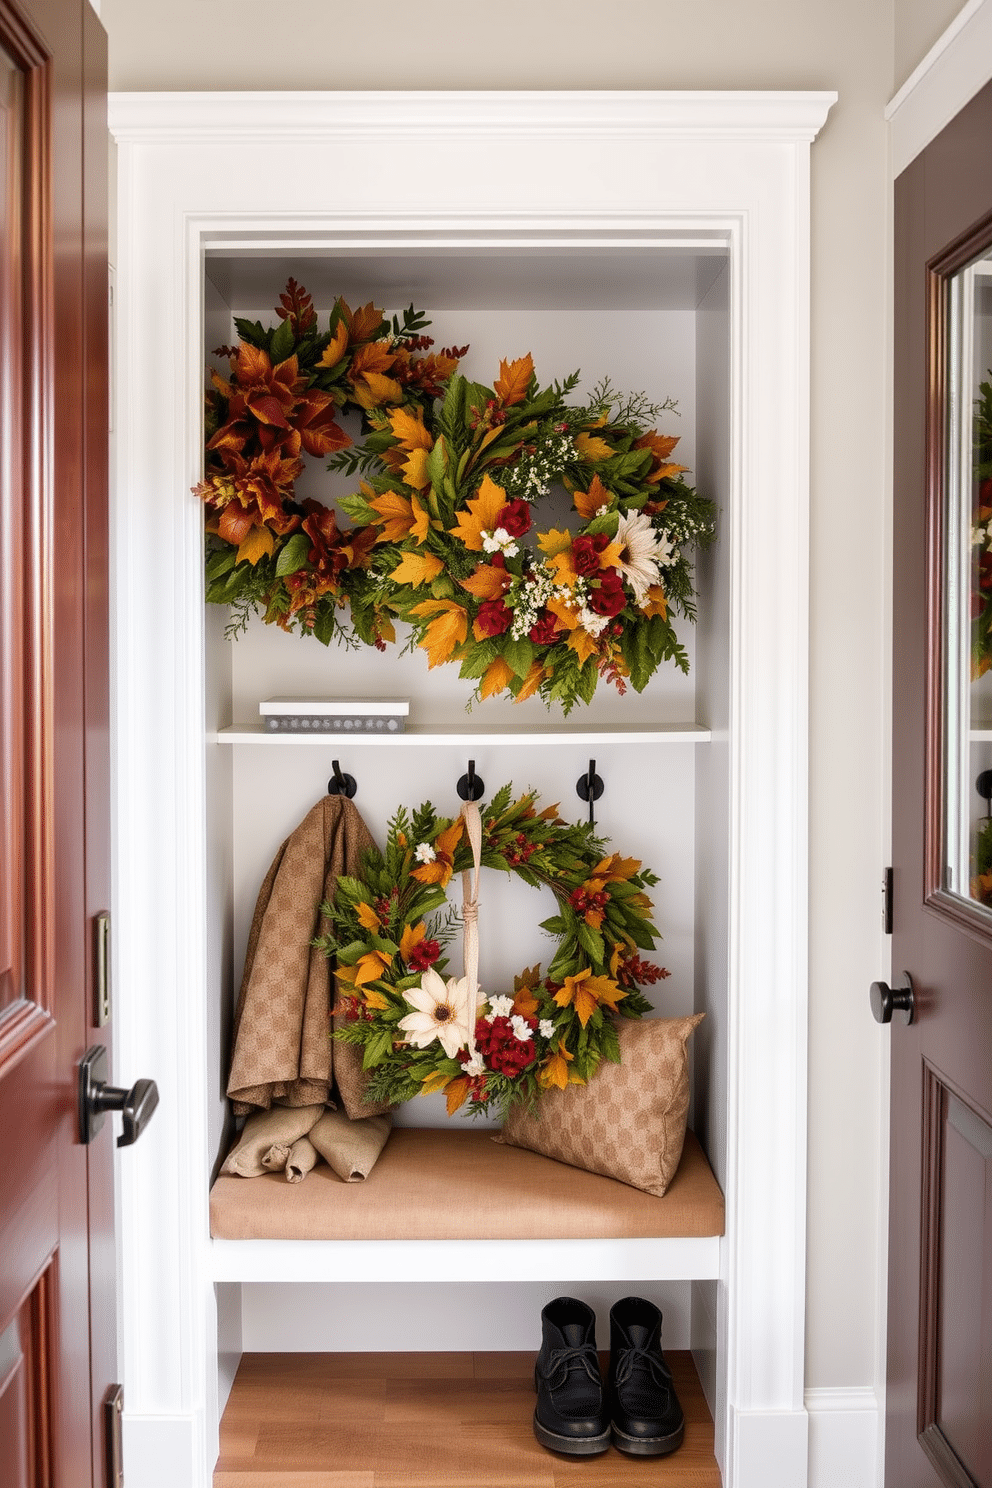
[
  {"x": 387, "y": 934},
  {"x": 444, "y": 534}
]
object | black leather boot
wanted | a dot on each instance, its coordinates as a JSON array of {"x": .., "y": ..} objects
[
  {"x": 647, "y": 1416},
  {"x": 571, "y": 1414}
]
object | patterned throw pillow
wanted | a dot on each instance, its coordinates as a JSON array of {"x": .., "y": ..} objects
[{"x": 629, "y": 1121}]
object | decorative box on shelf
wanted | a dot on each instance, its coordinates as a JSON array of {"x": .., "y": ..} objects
[{"x": 334, "y": 715}]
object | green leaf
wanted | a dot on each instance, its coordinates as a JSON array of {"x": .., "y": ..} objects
[
  {"x": 293, "y": 556},
  {"x": 282, "y": 343},
  {"x": 519, "y": 656},
  {"x": 592, "y": 942}
]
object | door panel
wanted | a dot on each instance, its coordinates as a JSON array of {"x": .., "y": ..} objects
[
  {"x": 55, "y": 1198},
  {"x": 940, "y": 1240}
]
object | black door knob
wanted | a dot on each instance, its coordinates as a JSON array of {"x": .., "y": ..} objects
[
  {"x": 888, "y": 1003},
  {"x": 96, "y": 1098}
]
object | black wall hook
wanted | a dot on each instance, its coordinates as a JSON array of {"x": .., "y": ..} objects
[
  {"x": 589, "y": 787},
  {"x": 983, "y": 786},
  {"x": 339, "y": 784},
  {"x": 471, "y": 787}
]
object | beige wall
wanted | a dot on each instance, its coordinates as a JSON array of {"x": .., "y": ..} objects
[{"x": 863, "y": 51}]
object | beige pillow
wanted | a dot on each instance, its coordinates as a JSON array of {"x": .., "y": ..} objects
[
  {"x": 629, "y": 1121},
  {"x": 267, "y": 1137}
]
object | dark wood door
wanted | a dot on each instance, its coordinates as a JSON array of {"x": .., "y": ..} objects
[
  {"x": 57, "y": 1309},
  {"x": 939, "y": 1389}
]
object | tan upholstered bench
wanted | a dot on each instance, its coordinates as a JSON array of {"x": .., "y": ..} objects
[{"x": 461, "y": 1185}]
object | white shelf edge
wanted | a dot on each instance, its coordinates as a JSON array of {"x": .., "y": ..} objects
[
  {"x": 349, "y": 1261},
  {"x": 675, "y": 733},
  {"x": 981, "y": 736}
]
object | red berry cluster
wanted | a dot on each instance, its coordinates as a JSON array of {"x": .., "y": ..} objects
[
  {"x": 423, "y": 955},
  {"x": 521, "y": 851},
  {"x": 581, "y": 900},
  {"x": 500, "y": 1047}
]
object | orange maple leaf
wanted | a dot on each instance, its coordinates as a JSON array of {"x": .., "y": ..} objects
[
  {"x": 480, "y": 515},
  {"x": 513, "y": 380},
  {"x": 414, "y": 470},
  {"x": 586, "y": 992},
  {"x": 258, "y": 543},
  {"x": 524, "y": 1001},
  {"x": 441, "y": 869},
  {"x": 615, "y": 869},
  {"x": 657, "y": 604},
  {"x": 456, "y": 1093},
  {"x": 336, "y": 347},
  {"x": 374, "y": 999},
  {"x": 588, "y": 503},
  {"x": 370, "y": 967},
  {"x": 433, "y": 1081},
  {"x": 582, "y": 643},
  {"x": 395, "y": 515},
  {"x": 362, "y": 323},
  {"x": 408, "y": 428},
  {"x": 416, "y": 569},
  {"x": 487, "y": 582},
  {"x": 376, "y": 389},
  {"x": 532, "y": 681},
  {"x": 447, "y": 629},
  {"x": 497, "y": 676},
  {"x": 554, "y": 1072}
]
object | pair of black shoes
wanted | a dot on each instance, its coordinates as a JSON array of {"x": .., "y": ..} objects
[{"x": 638, "y": 1408}]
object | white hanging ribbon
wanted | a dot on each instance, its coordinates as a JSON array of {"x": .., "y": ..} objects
[{"x": 470, "y": 916}]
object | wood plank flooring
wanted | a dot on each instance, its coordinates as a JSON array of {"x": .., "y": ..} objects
[{"x": 425, "y": 1421}]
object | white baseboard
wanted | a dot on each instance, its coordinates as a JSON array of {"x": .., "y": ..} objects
[
  {"x": 843, "y": 1438},
  {"x": 769, "y": 1449},
  {"x": 162, "y": 1451}
]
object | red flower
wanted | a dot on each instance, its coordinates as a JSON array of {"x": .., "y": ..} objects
[
  {"x": 585, "y": 553},
  {"x": 514, "y": 518},
  {"x": 423, "y": 955},
  {"x": 545, "y": 631},
  {"x": 608, "y": 598},
  {"x": 494, "y": 617},
  {"x": 501, "y": 1049}
]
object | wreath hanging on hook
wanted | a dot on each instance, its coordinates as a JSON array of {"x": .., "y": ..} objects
[
  {"x": 422, "y": 1032},
  {"x": 444, "y": 533}
]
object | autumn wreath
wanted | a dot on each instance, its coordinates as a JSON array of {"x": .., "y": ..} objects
[
  {"x": 444, "y": 534},
  {"x": 422, "y": 1032}
]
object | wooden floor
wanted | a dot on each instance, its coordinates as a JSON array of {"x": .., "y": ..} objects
[{"x": 424, "y": 1421}]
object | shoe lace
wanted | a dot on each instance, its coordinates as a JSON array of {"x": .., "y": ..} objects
[
  {"x": 643, "y": 1361},
  {"x": 563, "y": 1361}
]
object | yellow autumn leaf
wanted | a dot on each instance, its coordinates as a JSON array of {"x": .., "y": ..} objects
[
  {"x": 564, "y": 614},
  {"x": 562, "y": 565},
  {"x": 656, "y": 604},
  {"x": 487, "y": 582},
  {"x": 591, "y": 448},
  {"x": 456, "y": 1093},
  {"x": 480, "y": 514},
  {"x": 514, "y": 377},
  {"x": 554, "y": 542},
  {"x": 615, "y": 869},
  {"x": 415, "y": 470},
  {"x": 374, "y": 999},
  {"x": 554, "y": 1071},
  {"x": 447, "y": 629},
  {"x": 408, "y": 428},
  {"x": 336, "y": 347},
  {"x": 433, "y": 1082},
  {"x": 532, "y": 681},
  {"x": 497, "y": 676},
  {"x": 588, "y": 503},
  {"x": 417, "y": 569},
  {"x": 411, "y": 937},
  {"x": 421, "y": 519},
  {"x": 394, "y": 515},
  {"x": 367, "y": 917},
  {"x": 370, "y": 967},
  {"x": 259, "y": 543},
  {"x": 586, "y": 992},
  {"x": 375, "y": 389},
  {"x": 582, "y": 643}
]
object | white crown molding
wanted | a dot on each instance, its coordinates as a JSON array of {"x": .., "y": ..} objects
[
  {"x": 733, "y": 167},
  {"x": 565, "y": 115},
  {"x": 958, "y": 66}
]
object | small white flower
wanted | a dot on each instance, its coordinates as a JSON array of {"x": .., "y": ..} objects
[
  {"x": 546, "y": 1028},
  {"x": 499, "y": 541},
  {"x": 602, "y": 510},
  {"x": 425, "y": 853},
  {"x": 592, "y": 623},
  {"x": 475, "y": 1066},
  {"x": 521, "y": 1028},
  {"x": 499, "y": 1007}
]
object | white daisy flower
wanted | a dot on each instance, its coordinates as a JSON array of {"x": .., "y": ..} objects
[
  {"x": 499, "y": 1007},
  {"x": 425, "y": 853},
  {"x": 642, "y": 553},
  {"x": 441, "y": 1011},
  {"x": 546, "y": 1028}
]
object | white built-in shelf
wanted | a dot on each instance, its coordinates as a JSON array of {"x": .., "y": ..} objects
[
  {"x": 680, "y": 1258},
  {"x": 670, "y": 733}
]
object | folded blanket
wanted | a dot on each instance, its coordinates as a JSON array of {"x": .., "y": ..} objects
[
  {"x": 302, "y": 1157},
  {"x": 267, "y": 1138},
  {"x": 351, "y": 1147},
  {"x": 282, "y": 1025}
]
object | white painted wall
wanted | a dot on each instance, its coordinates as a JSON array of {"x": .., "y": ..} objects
[{"x": 864, "y": 52}]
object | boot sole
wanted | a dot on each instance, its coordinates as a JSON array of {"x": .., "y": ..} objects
[
  {"x": 571, "y": 1446},
  {"x": 648, "y": 1446}
]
